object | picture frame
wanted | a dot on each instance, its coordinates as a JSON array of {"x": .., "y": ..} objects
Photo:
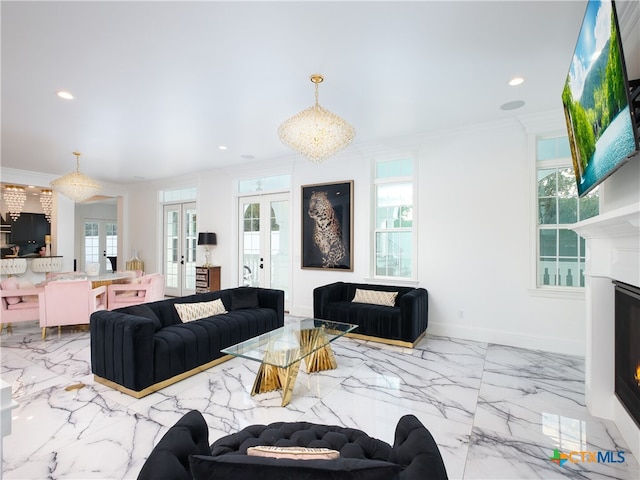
[{"x": 327, "y": 226}]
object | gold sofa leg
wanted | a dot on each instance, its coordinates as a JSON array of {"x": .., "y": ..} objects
[{"x": 9, "y": 327}]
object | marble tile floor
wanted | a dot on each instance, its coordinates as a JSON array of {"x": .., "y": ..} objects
[{"x": 496, "y": 412}]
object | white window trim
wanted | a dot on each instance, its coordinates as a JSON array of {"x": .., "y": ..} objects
[
  {"x": 548, "y": 291},
  {"x": 381, "y": 279}
]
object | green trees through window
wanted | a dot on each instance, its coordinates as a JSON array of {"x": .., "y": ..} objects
[{"x": 561, "y": 251}]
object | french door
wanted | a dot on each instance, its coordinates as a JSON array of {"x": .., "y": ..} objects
[
  {"x": 100, "y": 243},
  {"x": 265, "y": 258},
  {"x": 179, "y": 258}
]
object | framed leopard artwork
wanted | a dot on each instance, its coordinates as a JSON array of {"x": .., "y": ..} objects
[{"x": 327, "y": 226}]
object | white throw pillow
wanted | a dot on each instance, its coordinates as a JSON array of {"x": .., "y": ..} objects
[
  {"x": 294, "y": 453},
  {"x": 375, "y": 297},
  {"x": 196, "y": 311}
]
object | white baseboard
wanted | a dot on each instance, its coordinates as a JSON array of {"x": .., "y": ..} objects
[
  {"x": 503, "y": 337},
  {"x": 500, "y": 337}
]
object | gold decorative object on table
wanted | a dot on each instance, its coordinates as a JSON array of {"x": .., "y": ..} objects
[
  {"x": 135, "y": 263},
  {"x": 281, "y": 351}
]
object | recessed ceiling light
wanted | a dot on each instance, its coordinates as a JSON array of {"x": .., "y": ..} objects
[
  {"x": 222, "y": 147},
  {"x": 64, "y": 94},
  {"x": 516, "y": 81},
  {"x": 512, "y": 105}
]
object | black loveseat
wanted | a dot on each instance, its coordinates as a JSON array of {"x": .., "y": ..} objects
[
  {"x": 143, "y": 348},
  {"x": 184, "y": 454},
  {"x": 402, "y": 324}
]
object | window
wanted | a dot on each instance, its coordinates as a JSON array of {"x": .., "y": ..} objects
[
  {"x": 179, "y": 195},
  {"x": 394, "y": 228},
  {"x": 560, "y": 259}
]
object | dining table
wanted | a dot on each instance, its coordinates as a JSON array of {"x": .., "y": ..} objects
[{"x": 109, "y": 279}]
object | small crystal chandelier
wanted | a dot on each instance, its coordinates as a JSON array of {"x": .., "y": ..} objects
[
  {"x": 14, "y": 197},
  {"x": 46, "y": 200},
  {"x": 76, "y": 185},
  {"x": 315, "y": 132}
]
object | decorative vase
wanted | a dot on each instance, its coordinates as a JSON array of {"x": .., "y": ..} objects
[{"x": 135, "y": 263}]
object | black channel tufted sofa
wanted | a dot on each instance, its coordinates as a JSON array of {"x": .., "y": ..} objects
[
  {"x": 143, "y": 348},
  {"x": 184, "y": 454},
  {"x": 403, "y": 324}
]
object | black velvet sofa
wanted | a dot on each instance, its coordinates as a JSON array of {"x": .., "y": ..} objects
[
  {"x": 403, "y": 324},
  {"x": 184, "y": 454},
  {"x": 143, "y": 348}
]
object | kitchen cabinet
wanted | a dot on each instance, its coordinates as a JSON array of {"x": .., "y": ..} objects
[{"x": 28, "y": 231}]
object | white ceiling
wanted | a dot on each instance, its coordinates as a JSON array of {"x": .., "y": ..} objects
[{"x": 160, "y": 85}]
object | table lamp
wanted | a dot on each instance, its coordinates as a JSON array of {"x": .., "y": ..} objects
[{"x": 207, "y": 239}]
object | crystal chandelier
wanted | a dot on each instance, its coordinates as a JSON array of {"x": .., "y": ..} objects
[
  {"x": 76, "y": 185},
  {"x": 14, "y": 197},
  {"x": 316, "y": 132},
  {"x": 46, "y": 200}
]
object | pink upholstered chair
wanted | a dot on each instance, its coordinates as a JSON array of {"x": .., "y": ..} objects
[
  {"x": 147, "y": 288},
  {"x": 70, "y": 303},
  {"x": 157, "y": 282},
  {"x": 18, "y": 304}
]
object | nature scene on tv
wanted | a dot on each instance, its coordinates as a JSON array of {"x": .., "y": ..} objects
[{"x": 601, "y": 133}]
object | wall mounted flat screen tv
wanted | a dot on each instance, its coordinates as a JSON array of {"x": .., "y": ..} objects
[{"x": 596, "y": 99}]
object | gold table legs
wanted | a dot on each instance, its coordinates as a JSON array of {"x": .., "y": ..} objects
[
  {"x": 321, "y": 355},
  {"x": 271, "y": 378},
  {"x": 314, "y": 349}
]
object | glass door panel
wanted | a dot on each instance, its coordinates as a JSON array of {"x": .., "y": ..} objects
[
  {"x": 280, "y": 248},
  {"x": 180, "y": 239},
  {"x": 91, "y": 244},
  {"x": 190, "y": 244},
  {"x": 265, "y": 242},
  {"x": 250, "y": 239},
  {"x": 100, "y": 242},
  {"x": 111, "y": 246}
]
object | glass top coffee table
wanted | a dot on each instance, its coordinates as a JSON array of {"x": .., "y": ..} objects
[{"x": 281, "y": 351}]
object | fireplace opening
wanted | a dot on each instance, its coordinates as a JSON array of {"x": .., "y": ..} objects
[{"x": 627, "y": 348}]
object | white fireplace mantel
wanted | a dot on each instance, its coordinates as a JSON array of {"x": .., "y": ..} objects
[
  {"x": 612, "y": 253},
  {"x": 622, "y": 222},
  {"x": 613, "y": 244}
]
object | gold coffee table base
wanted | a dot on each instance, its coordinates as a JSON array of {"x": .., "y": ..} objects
[
  {"x": 280, "y": 352},
  {"x": 271, "y": 377}
]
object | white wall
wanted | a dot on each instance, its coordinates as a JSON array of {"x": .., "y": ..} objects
[
  {"x": 143, "y": 227},
  {"x": 478, "y": 245}
]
